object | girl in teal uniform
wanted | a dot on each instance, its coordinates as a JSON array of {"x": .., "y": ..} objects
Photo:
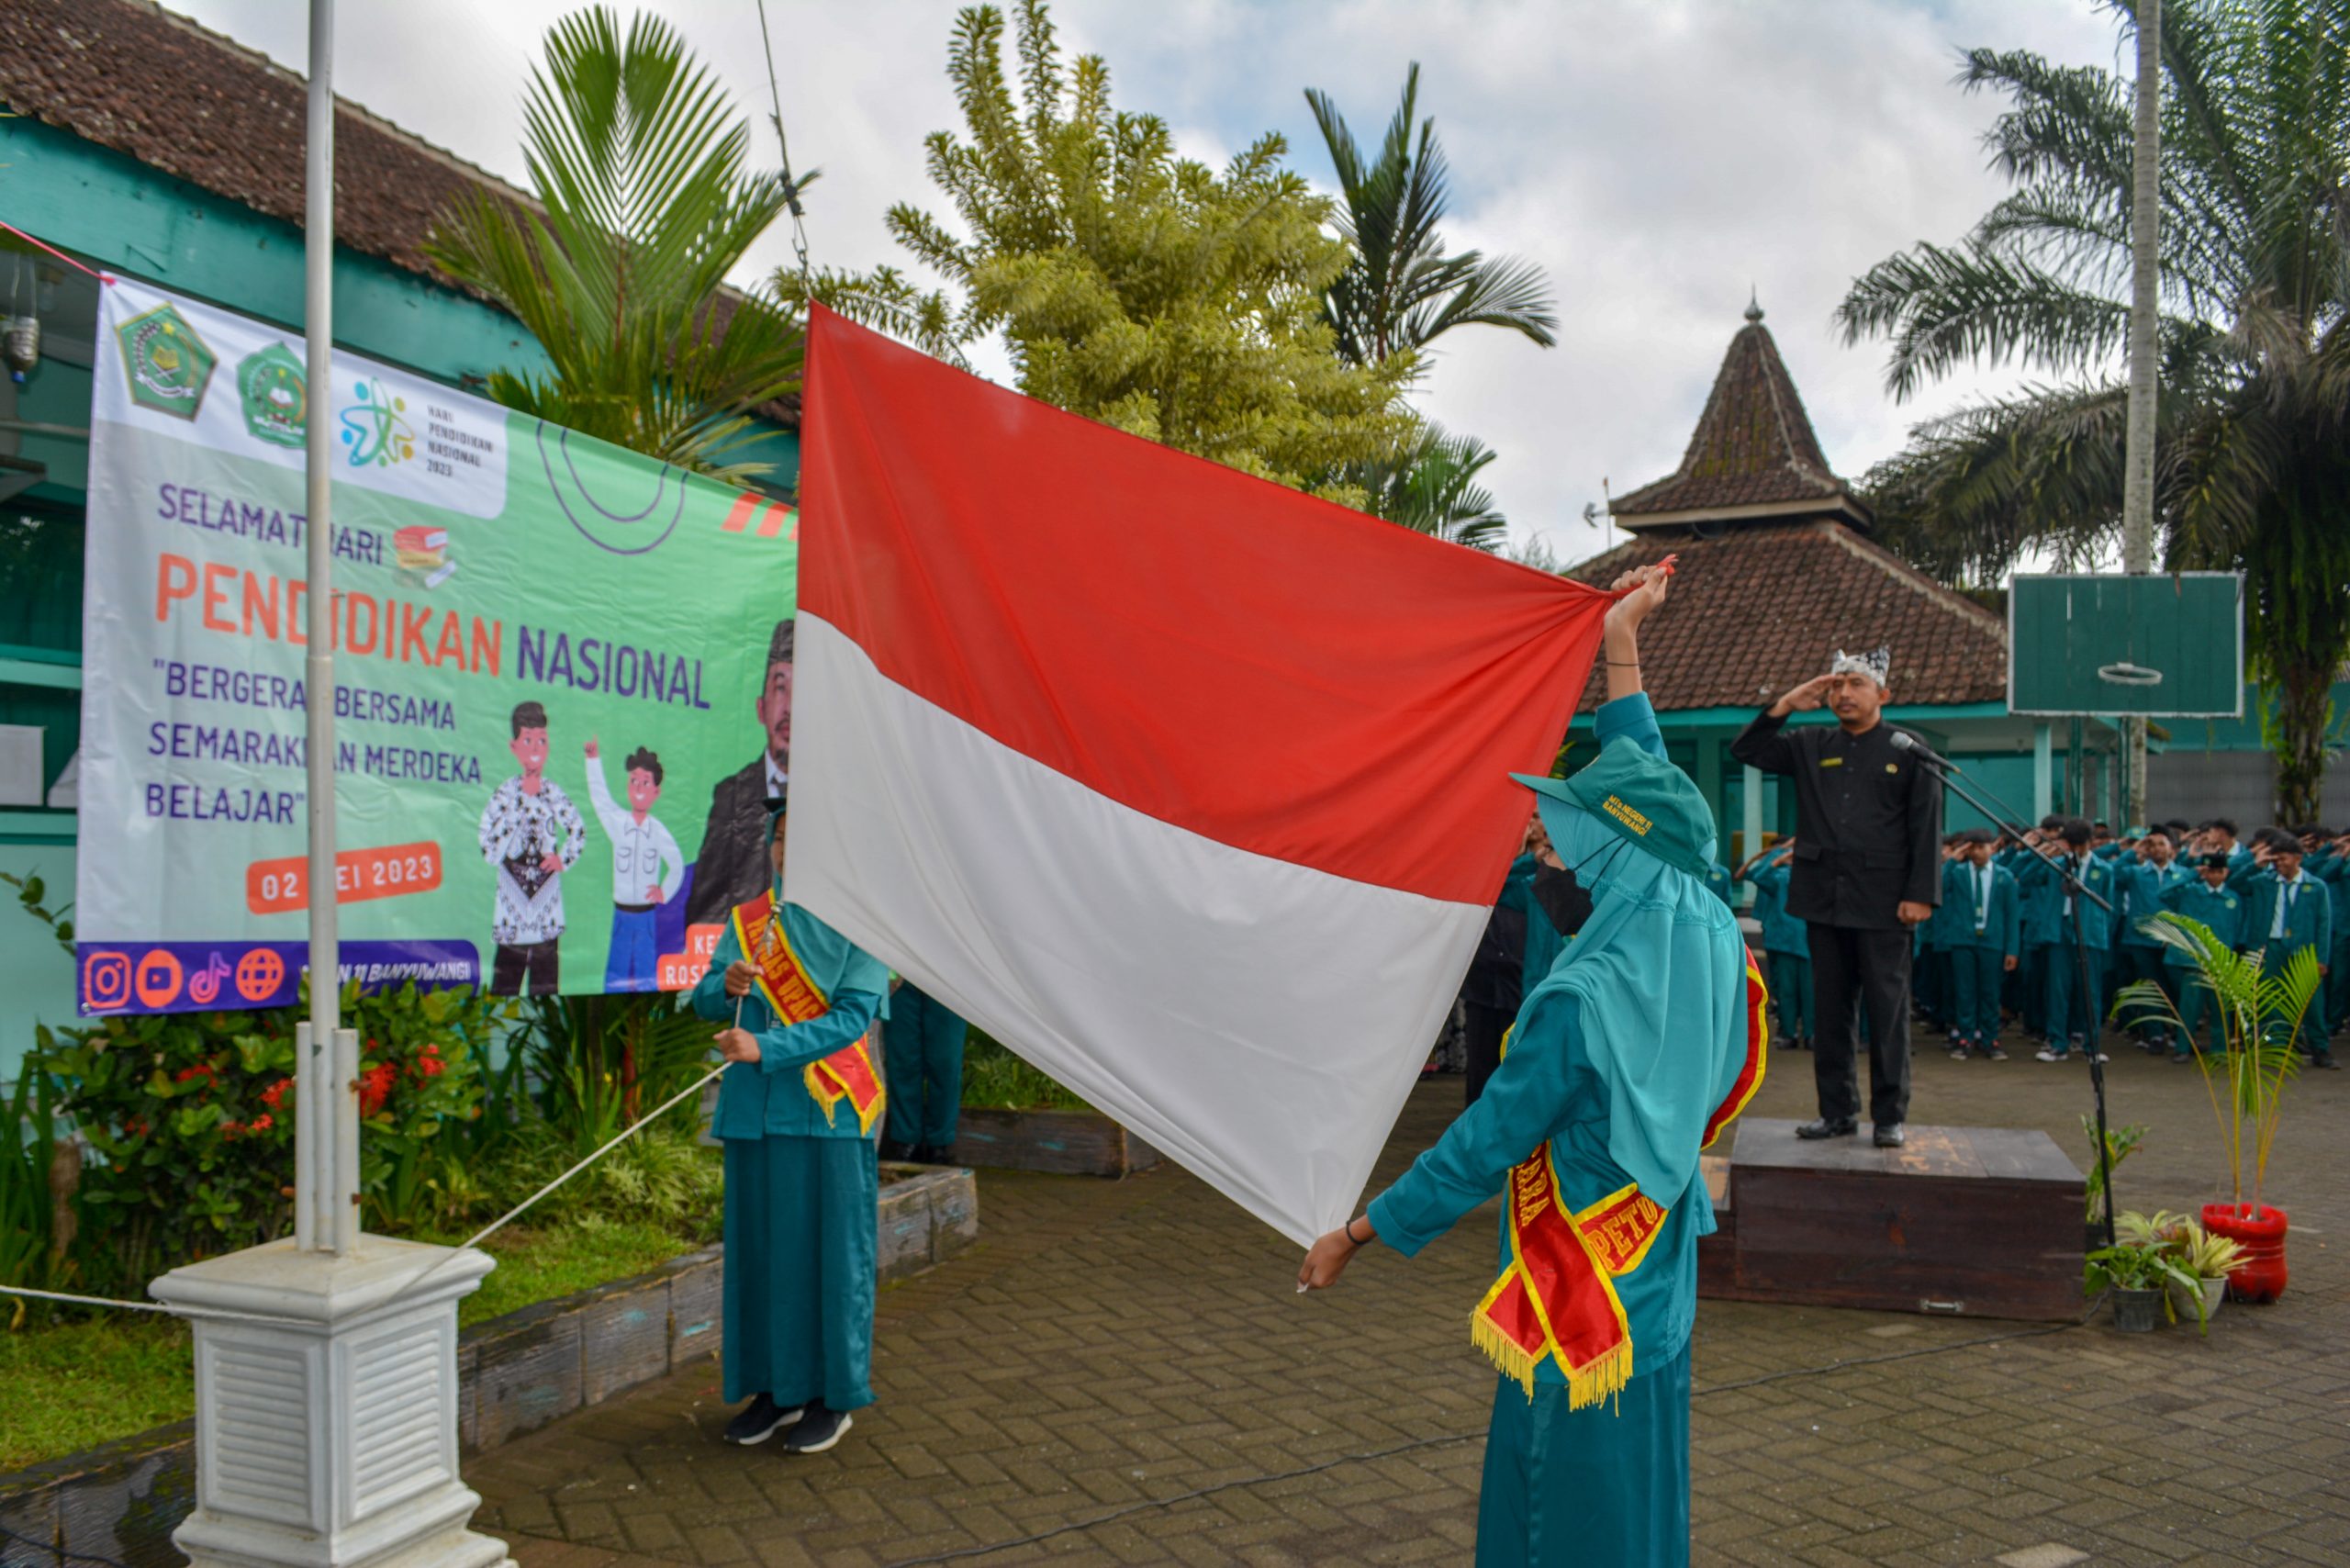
[
  {"x": 1789, "y": 943},
  {"x": 801, "y": 1184},
  {"x": 1634, "y": 1049}
]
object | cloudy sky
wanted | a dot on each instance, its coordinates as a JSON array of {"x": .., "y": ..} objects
[{"x": 1657, "y": 157}]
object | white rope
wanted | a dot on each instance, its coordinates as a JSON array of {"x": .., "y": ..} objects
[
  {"x": 614, "y": 1142},
  {"x": 430, "y": 1269},
  {"x": 226, "y": 1314}
]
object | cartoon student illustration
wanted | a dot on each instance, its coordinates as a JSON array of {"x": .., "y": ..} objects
[
  {"x": 531, "y": 833},
  {"x": 646, "y": 867}
]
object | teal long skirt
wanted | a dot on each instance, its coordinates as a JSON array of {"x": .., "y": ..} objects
[
  {"x": 1590, "y": 1488},
  {"x": 799, "y": 1260}
]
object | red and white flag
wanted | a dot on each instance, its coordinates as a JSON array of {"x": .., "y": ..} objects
[{"x": 1192, "y": 791}]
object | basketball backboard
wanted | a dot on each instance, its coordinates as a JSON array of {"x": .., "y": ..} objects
[{"x": 2161, "y": 647}]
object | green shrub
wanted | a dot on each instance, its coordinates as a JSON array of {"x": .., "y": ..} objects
[{"x": 994, "y": 1079}]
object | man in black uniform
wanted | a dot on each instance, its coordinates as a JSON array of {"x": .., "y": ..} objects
[{"x": 1867, "y": 869}]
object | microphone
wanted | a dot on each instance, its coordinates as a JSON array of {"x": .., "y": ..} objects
[{"x": 1904, "y": 741}]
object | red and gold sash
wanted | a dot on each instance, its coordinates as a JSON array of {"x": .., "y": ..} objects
[
  {"x": 847, "y": 1074},
  {"x": 1556, "y": 1300}
]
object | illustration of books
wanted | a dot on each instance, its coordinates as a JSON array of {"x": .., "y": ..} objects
[{"x": 422, "y": 551}]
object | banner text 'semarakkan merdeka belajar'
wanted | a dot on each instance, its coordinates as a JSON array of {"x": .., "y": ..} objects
[{"x": 555, "y": 719}]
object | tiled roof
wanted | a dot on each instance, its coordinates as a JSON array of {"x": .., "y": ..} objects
[
  {"x": 1755, "y": 609},
  {"x": 1753, "y": 446},
  {"x": 130, "y": 76}
]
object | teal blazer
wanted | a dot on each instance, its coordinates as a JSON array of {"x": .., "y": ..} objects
[
  {"x": 2308, "y": 916},
  {"x": 769, "y": 1098},
  {"x": 2044, "y": 919},
  {"x": 1782, "y": 932},
  {"x": 2004, "y": 931},
  {"x": 2142, "y": 885},
  {"x": 2222, "y": 909}
]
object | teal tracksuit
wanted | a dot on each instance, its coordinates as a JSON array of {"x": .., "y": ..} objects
[
  {"x": 1721, "y": 884},
  {"x": 1985, "y": 931},
  {"x": 2282, "y": 919},
  {"x": 2222, "y": 910},
  {"x": 802, "y": 1190},
  {"x": 2139, "y": 956},
  {"x": 2069, "y": 1010},
  {"x": 2334, "y": 870},
  {"x": 921, "y": 1043},
  {"x": 1543, "y": 943},
  {"x": 1787, "y": 941}
]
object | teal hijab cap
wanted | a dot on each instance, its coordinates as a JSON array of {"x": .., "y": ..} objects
[
  {"x": 1645, "y": 799},
  {"x": 1658, "y": 970}
]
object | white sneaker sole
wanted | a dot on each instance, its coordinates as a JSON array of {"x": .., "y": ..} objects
[
  {"x": 838, "y": 1433},
  {"x": 783, "y": 1418}
]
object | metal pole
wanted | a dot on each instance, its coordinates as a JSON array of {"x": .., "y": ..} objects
[
  {"x": 328, "y": 1121},
  {"x": 2138, "y": 470}
]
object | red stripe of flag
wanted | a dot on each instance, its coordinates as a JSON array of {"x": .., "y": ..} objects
[{"x": 1271, "y": 671}]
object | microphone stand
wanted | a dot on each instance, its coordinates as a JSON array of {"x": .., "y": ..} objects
[{"x": 2000, "y": 812}]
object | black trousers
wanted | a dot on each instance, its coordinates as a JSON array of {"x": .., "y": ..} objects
[
  {"x": 1852, "y": 970},
  {"x": 525, "y": 970},
  {"x": 1481, "y": 1031}
]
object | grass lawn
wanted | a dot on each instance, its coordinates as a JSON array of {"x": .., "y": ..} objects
[{"x": 69, "y": 1386}]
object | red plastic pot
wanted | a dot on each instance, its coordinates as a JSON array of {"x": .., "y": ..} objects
[{"x": 2260, "y": 1233}]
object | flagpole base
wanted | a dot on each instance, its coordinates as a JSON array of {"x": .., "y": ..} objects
[{"x": 328, "y": 1438}]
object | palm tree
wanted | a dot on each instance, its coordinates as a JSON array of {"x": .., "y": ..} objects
[
  {"x": 1402, "y": 291},
  {"x": 1428, "y": 484},
  {"x": 2253, "y": 421},
  {"x": 636, "y": 157}
]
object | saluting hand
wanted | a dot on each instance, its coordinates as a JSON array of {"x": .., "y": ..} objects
[{"x": 1804, "y": 698}]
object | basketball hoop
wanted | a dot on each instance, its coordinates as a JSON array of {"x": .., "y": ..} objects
[{"x": 2127, "y": 674}]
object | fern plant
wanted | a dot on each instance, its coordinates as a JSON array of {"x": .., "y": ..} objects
[{"x": 2260, "y": 1013}]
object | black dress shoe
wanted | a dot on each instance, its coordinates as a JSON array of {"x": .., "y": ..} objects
[
  {"x": 892, "y": 1149},
  {"x": 1890, "y": 1134},
  {"x": 1829, "y": 1127}
]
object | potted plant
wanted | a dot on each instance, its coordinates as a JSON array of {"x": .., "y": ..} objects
[
  {"x": 2142, "y": 1275},
  {"x": 2120, "y": 1143},
  {"x": 2206, "y": 1256},
  {"x": 2259, "y": 1016}
]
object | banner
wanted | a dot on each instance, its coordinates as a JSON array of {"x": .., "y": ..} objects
[{"x": 562, "y": 689}]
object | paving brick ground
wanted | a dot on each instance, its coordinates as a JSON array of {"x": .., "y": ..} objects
[{"x": 1121, "y": 1373}]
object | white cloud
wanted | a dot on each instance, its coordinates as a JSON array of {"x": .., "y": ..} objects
[{"x": 1656, "y": 159}]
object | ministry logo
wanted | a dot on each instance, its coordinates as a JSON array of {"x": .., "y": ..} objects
[
  {"x": 276, "y": 398},
  {"x": 167, "y": 364}
]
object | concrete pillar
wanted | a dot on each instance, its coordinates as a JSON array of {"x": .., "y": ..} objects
[
  {"x": 2042, "y": 772},
  {"x": 1753, "y": 823}
]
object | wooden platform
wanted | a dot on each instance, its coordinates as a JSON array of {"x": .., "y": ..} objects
[{"x": 1972, "y": 1221}]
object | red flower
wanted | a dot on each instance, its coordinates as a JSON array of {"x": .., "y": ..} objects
[
  {"x": 430, "y": 1066},
  {"x": 262, "y": 1124},
  {"x": 274, "y": 1095},
  {"x": 375, "y": 1088},
  {"x": 230, "y": 1129},
  {"x": 201, "y": 1069}
]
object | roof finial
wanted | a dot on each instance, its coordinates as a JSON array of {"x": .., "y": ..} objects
[{"x": 1753, "y": 305}]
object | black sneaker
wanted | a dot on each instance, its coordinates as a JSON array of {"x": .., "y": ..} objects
[
  {"x": 896, "y": 1152},
  {"x": 1890, "y": 1134},
  {"x": 757, "y": 1421},
  {"x": 1829, "y": 1127},
  {"x": 819, "y": 1430}
]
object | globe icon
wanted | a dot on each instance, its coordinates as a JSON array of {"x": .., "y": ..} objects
[{"x": 259, "y": 974}]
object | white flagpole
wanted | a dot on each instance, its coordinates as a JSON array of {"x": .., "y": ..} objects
[{"x": 326, "y": 1125}]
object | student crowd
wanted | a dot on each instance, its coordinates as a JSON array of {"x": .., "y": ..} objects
[{"x": 2001, "y": 945}]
